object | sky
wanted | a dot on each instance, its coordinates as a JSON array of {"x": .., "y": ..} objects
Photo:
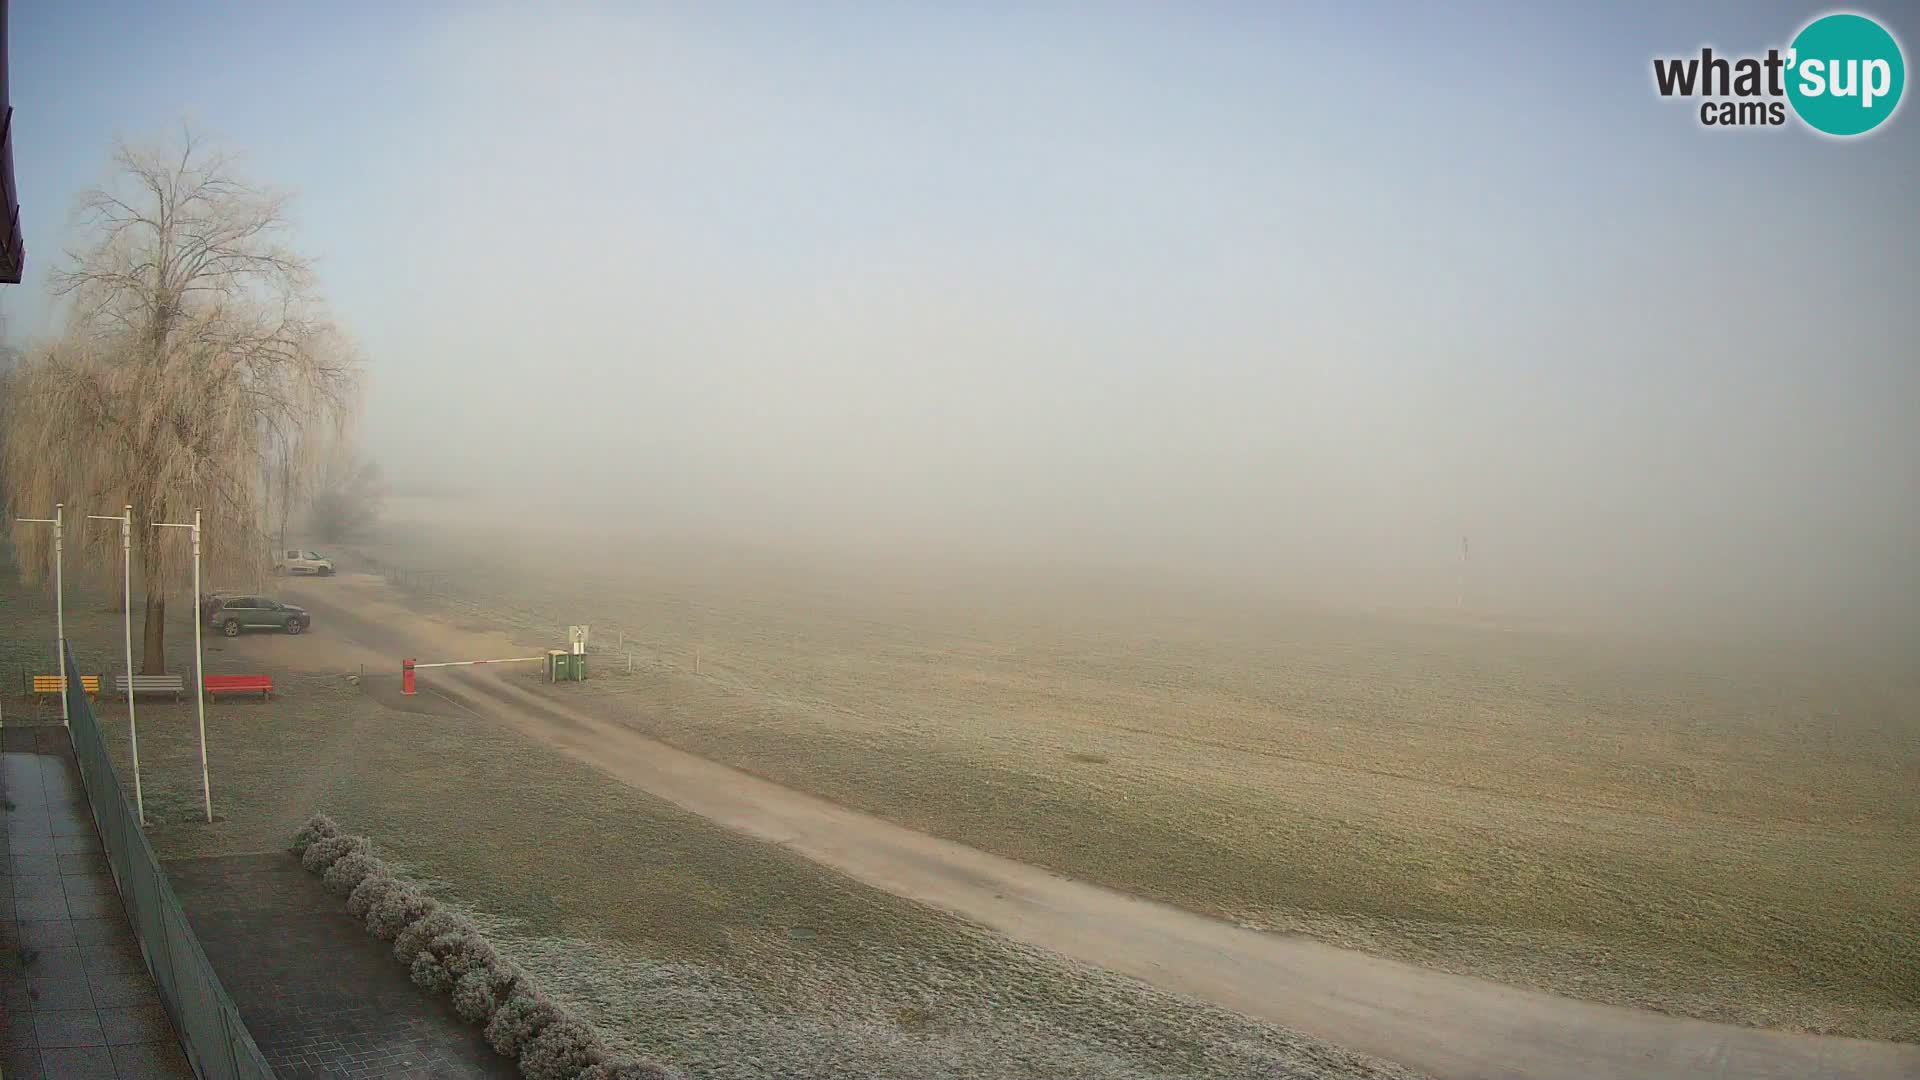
[{"x": 1298, "y": 292}]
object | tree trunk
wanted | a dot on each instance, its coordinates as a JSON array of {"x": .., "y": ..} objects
[
  {"x": 146, "y": 552},
  {"x": 154, "y": 661},
  {"x": 286, "y": 491}
]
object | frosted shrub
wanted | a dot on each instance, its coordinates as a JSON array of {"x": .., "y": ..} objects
[
  {"x": 561, "y": 1052},
  {"x": 323, "y": 853},
  {"x": 506, "y": 979},
  {"x": 318, "y": 827},
  {"x": 446, "y": 954},
  {"x": 410, "y": 941},
  {"x": 464, "y": 953},
  {"x": 475, "y": 996},
  {"x": 501, "y": 975},
  {"x": 449, "y": 957},
  {"x": 348, "y": 871},
  {"x": 428, "y": 973},
  {"x": 398, "y": 909},
  {"x": 369, "y": 892},
  {"x": 522, "y": 1016}
]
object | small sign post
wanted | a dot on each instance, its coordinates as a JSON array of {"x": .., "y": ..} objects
[{"x": 577, "y": 637}]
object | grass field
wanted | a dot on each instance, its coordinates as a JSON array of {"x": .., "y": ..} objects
[
  {"x": 1718, "y": 831},
  {"x": 729, "y": 957}
]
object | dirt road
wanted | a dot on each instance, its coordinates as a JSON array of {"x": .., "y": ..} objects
[{"x": 1453, "y": 1027}]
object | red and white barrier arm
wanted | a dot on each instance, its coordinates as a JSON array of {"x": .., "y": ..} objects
[
  {"x": 408, "y": 667},
  {"x": 470, "y": 663}
]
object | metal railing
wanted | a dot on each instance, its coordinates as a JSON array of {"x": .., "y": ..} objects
[{"x": 217, "y": 1043}]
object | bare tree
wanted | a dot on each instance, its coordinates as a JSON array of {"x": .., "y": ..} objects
[
  {"x": 194, "y": 345},
  {"x": 296, "y": 469},
  {"x": 348, "y": 495}
]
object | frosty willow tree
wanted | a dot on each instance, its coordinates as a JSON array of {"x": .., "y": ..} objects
[{"x": 197, "y": 367}]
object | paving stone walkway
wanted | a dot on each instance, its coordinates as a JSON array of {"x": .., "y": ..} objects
[
  {"x": 322, "y": 997},
  {"x": 79, "y": 1004}
]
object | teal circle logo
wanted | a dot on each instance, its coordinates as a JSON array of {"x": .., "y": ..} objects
[{"x": 1845, "y": 74}]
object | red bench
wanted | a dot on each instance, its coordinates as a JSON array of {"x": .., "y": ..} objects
[{"x": 240, "y": 684}]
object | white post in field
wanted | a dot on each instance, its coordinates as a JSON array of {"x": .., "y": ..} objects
[{"x": 126, "y": 621}]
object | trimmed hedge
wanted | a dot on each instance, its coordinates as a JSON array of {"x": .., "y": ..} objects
[
  {"x": 445, "y": 953},
  {"x": 371, "y": 890},
  {"x": 410, "y": 942},
  {"x": 522, "y": 1016},
  {"x": 322, "y": 854},
  {"x": 348, "y": 871},
  {"x": 397, "y": 909},
  {"x": 428, "y": 973},
  {"x": 461, "y": 953},
  {"x": 476, "y": 996},
  {"x": 562, "y": 1051},
  {"x": 318, "y": 827}
]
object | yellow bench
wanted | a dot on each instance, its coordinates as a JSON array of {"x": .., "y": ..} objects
[{"x": 55, "y": 684}]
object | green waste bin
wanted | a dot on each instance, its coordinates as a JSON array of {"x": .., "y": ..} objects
[{"x": 564, "y": 666}]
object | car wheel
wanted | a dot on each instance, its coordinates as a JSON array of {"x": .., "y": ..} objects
[
  {"x": 294, "y": 626},
  {"x": 231, "y": 628},
  {"x": 326, "y": 571}
]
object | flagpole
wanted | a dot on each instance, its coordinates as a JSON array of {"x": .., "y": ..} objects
[{"x": 126, "y": 629}]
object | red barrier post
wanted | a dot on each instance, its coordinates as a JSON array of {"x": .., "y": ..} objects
[{"x": 406, "y": 676}]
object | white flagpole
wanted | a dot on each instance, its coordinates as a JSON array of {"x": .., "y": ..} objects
[
  {"x": 199, "y": 676},
  {"x": 126, "y": 626},
  {"x": 60, "y": 601},
  {"x": 58, "y": 521},
  {"x": 199, "y": 679}
]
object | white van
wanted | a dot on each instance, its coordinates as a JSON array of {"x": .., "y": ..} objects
[{"x": 291, "y": 561}]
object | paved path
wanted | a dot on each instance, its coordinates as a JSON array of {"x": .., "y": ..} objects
[
  {"x": 322, "y": 997},
  {"x": 79, "y": 1004},
  {"x": 1454, "y": 1027}
]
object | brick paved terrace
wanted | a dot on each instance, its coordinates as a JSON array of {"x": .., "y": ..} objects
[
  {"x": 79, "y": 1003},
  {"x": 322, "y": 997}
]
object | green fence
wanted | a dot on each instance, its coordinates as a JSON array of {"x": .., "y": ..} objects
[{"x": 217, "y": 1044}]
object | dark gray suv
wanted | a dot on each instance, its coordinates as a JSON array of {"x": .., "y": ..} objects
[{"x": 232, "y": 614}]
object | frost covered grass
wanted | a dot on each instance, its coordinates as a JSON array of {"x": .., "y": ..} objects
[
  {"x": 447, "y": 954},
  {"x": 1709, "y": 827},
  {"x": 979, "y": 1007},
  {"x": 672, "y": 936}
]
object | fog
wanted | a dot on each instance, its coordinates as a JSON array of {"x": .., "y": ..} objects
[{"x": 1280, "y": 298}]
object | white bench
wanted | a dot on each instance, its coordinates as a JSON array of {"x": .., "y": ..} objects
[{"x": 151, "y": 684}]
